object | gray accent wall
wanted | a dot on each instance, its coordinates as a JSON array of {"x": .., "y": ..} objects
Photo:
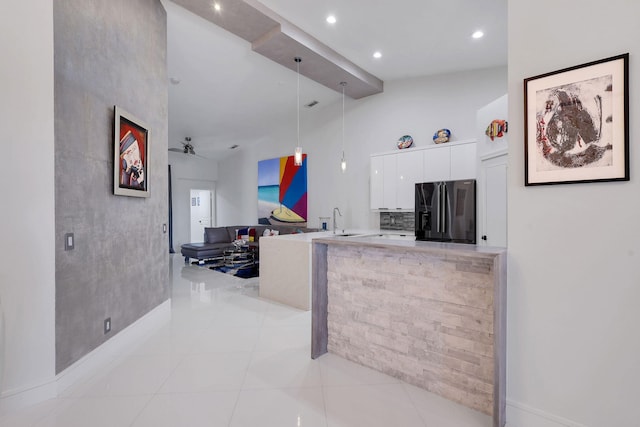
[{"x": 107, "y": 53}]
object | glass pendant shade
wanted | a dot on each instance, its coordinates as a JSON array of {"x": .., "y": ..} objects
[{"x": 297, "y": 157}]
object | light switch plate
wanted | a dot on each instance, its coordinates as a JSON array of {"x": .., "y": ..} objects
[{"x": 69, "y": 242}]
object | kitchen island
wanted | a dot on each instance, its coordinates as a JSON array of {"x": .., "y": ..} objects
[
  {"x": 285, "y": 265},
  {"x": 431, "y": 314},
  {"x": 285, "y": 268}
]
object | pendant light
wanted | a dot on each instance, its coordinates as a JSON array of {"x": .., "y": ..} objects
[
  {"x": 343, "y": 162},
  {"x": 297, "y": 155}
]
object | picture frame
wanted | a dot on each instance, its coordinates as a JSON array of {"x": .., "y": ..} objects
[
  {"x": 130, "y": 155},
  {"x": 577, "y": 124}
]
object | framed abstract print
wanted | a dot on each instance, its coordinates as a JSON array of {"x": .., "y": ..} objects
[{"x": 577, "y": 124}]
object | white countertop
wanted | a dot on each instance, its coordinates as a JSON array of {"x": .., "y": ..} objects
[
  {"x": 300, "y": 237},
  {"x": 307, "y": 237},
  {"x": 391, "y": 241}
]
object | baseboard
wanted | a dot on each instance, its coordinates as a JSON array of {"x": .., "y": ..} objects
[
  {"x": 14, "y": 400},
  {"x": 521, "y": 415},
  {"x": 121, "y": 344}
]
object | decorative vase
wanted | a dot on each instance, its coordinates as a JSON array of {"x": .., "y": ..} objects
[
  {"x": 405, "y": 141},
  {"x": 442, "y": 136}
]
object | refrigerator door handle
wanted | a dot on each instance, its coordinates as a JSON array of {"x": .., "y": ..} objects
[
  {"x": 439, "y": 208},
  {"x": 443, "y": 208}
]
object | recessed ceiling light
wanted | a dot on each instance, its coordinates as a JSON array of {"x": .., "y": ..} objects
[
  {"x": 477, "y": 35},
  {"x": 216, "y": 7},
  {"x": 377, "y": 55},
  {"x": 331, "y": 19}
]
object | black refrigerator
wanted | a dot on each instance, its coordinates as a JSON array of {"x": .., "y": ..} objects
[{"x": 446, "y": 211}]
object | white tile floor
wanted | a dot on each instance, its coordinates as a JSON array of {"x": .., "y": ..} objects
[{"x": 229, "y": 358}]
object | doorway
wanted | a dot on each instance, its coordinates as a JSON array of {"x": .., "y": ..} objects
[{"x": 201, "y": 213}]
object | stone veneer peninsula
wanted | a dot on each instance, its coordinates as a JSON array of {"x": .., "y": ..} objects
[{"x": 431, "y": 314}]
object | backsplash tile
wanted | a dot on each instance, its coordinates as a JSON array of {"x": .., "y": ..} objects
[{"x": 397, "y": 221}]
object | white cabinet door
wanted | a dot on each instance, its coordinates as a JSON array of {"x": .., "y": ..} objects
[
  {"x": 493, "y": 201},
  {"x": 389, "y": 182},
  {"x": 463, "y": 161},
  {"x": 409, "y": 172},
  {"x": 436, "y": 163},
  {"x": 393, "y": 175},
  {"x": 376, "y": 182}
]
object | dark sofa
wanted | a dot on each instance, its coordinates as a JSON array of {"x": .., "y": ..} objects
[{"x": 217, "y": 239}]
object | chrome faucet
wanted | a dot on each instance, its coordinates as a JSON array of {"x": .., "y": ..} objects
[{"x": 334, "y": 219}]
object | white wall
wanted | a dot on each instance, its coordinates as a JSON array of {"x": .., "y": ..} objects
[
  {"x": 237, "y": 187},
  {"x": 574, "y": 259},
  {"x": 417, "y": 107},
  {"x": 188, "y": 172},
  {"x": 27, "y": 270}
]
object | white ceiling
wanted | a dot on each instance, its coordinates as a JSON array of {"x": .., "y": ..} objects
[{"x": 229, "y": 94}]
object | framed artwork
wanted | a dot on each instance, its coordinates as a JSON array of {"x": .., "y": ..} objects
[
  {"x": 282, "y": 192},
  {"x": 577, "y": 124},
  {"x": 130, "y": 155}
]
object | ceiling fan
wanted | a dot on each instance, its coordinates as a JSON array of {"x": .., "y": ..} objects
[{"x": 187, "y": 147}]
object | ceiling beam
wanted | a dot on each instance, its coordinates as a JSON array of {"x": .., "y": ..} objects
[{"x": 279, "y": 40}]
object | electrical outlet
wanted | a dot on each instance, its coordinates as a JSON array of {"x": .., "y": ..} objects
[{"x": 107, "y": 325}]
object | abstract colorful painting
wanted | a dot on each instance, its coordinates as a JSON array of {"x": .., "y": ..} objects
[{"x": 282, "y": 192}]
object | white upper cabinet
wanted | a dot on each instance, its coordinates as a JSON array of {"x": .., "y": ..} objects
[
  {"x": 463, "y": 161},
  {"x": 394, "y": 175},
  {"x": 389, "y": 182},
  {"x": 436, "y": 164},
  {"x": 376, "y": 181},
  {"x": 409, "y": 172}
]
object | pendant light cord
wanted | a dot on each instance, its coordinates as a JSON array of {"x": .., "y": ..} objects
[
  {"x": 343, "y": 162},
  {"x": 343, "y": 85},
  {"x": 298, "y": 61}
]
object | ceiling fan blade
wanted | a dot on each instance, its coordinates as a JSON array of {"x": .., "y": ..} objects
[{"x": 187, "y": 148}]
